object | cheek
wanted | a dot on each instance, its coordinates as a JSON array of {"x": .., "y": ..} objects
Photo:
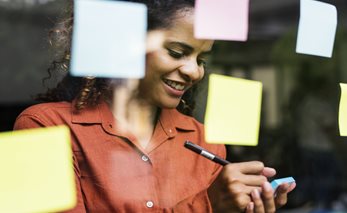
[
  {"x": 152, "y": 65},
  {"x": 154, "y": 70},
  {"x": 150, "y": 58},
  {"x": 159, "y": 62}
]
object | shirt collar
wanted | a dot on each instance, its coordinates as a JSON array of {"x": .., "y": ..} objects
[
  {"x": 170, "y": 119},
  {"x": 92, "y": 114},
  {"x": 99, "y": 114},
  {"x": 88, "y": 115}
]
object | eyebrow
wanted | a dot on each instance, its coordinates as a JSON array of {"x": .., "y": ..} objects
[{"x": 188, "y": 47}]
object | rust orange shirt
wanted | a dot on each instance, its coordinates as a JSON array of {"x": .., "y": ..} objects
[{"x": 115, "y": 175}]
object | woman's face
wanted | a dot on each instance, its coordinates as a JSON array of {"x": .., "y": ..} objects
[{"x": 176, "y": 65}]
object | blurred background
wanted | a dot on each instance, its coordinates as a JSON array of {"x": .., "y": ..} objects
[{"x": 299, "y": 123}]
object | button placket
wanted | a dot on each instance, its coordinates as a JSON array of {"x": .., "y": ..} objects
[
  {"x": 144, "y": 158},
  {"x": 149, "y": 204}
]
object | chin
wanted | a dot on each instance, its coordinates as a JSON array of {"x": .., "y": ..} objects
[{"x": 169, "y": 104}]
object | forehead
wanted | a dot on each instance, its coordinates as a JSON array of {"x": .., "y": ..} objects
[{"x": 182, "y": 30}]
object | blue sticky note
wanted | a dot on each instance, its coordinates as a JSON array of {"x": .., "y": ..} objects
[
  {"x": 109, "y": 39},
  {"x": 275, "y": 183},
  {"x": 317, "y": 28}
]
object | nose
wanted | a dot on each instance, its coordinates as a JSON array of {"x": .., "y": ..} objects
[{"x": 191, "y": 71}]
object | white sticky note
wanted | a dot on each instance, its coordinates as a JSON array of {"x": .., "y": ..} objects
[
  {"x": 221, "y": 19},
  {"x": 233, "y": 111},
  {"x": 317, "y": 28},
  {"x": 37, "y": 172},
  {"x": 343, "y": 110},
  {"x": 109, "y": 39}
]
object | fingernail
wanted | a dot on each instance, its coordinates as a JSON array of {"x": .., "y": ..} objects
[
  {"x": 269, "y": 172},
  {"x": 270, "y": 169},
  {"x": 267, "y": 187},
  {"x": 250, "y": 206},
  {"x": 292, "y": 187},
  {"x": 255, "y": 194}
]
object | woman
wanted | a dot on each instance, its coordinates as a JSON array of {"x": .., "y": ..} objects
[{"x": 118, "y": 172}]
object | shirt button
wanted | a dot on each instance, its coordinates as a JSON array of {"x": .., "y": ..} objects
[
  {"x": 144, "y": 158},
  {"x": 149, "y": 204}
]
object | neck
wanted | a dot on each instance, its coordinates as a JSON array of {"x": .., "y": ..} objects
[{"x": 134, "y": 115}]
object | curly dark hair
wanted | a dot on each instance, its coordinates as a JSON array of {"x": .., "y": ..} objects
[{"x": 89, "y": 91}]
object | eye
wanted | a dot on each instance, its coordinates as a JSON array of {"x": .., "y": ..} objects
[{"x": 175, "y": 54}]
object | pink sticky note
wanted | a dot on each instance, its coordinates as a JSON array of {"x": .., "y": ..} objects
[{"x": 221, "y": 19}]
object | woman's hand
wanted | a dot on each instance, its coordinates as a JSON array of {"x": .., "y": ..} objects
[
  {"x": 267, "y": 202},
  {"x": 243, "y": 187}
]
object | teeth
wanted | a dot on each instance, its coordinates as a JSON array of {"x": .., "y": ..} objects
[{"x": 174, "y": 84}]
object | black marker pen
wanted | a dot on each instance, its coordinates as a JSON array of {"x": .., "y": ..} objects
[{"x": 201, "y": 151}]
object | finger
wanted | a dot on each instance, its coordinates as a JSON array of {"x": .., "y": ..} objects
[
  {"x": 247, "y": 179},
  {"x": 238, "y": 195},
  {"x": 242, "y": 202},
  {"x": 268, "y": 198},
  {"x": 251, "y": 167},
  {"x": 258, "y": 203},
  {"x": 292, "y": 187},
  {"x": 236, "y": 188},
  {"x": 268, "y": 172},
  {"x": 253, "y": 180},
  {"x": 281, "y": 195},
  {"x": 250, "y": 208},
  {"x": 249, "y": 189}
]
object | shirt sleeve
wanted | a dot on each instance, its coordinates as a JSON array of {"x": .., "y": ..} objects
[
  {"x": 29, "y": 121},
  {"x": 218, "y": 168}
]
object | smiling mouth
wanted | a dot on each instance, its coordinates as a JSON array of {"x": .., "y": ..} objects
[{"x": 174, "y": 84}]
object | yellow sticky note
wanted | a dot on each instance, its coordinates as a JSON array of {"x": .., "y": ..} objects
[
  {"x": 343, "y": 110},
  {"x": 233, "y": 111},
  {"x": 36, "y": 171}
]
